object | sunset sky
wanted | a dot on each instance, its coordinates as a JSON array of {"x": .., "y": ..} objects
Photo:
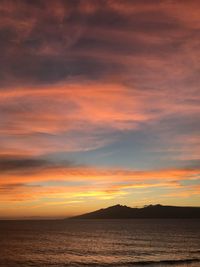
[{"x": 99, "y": 105}]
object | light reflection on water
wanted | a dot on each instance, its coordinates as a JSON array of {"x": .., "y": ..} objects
[{"x": 100, "y": 243}]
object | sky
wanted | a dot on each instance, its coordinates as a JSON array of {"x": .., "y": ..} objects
[{"x": 99, "y": 105}]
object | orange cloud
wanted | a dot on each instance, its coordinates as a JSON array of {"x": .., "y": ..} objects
[
  {"x": 54, "y": 192},
  {"x": 94, "y": 110},
  {"x": 100, "y": 183}
]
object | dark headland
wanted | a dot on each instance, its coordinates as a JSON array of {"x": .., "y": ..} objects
[{"x": 147, "y": 212}]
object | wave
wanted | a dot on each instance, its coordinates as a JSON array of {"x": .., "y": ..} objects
[
  {"x": 91, "y": 264},
  {"x": 145, "y": 263},
  {"x": 161, "y": 262}
]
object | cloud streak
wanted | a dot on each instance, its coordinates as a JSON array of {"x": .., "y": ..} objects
[{"x": 73, "y": 117}]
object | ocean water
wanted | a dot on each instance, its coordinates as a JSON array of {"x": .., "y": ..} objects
[{"x": 100, "y": 243}]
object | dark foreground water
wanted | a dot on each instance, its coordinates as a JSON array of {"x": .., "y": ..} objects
[{"x": 100, "y": 243}]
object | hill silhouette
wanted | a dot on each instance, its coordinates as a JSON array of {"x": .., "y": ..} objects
[{"x": 147, "y": 212}]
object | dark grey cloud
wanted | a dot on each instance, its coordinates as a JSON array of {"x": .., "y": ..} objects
[
  {"x": 8, "y": 188},
  {"x": 142, "y": 21},
  {"x": 17, "y": 164},
  {"x": 29, "y": 165},
  {"x": 44, "y": 42},
  {"x": 135, "y": 47},
  {"x": 47, "y": 70}
]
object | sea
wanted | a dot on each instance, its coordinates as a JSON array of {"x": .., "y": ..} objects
[{"x": 133, "y": 242}]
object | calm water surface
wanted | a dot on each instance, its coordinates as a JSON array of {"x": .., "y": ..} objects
[{"x": 100, "y": 243}]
